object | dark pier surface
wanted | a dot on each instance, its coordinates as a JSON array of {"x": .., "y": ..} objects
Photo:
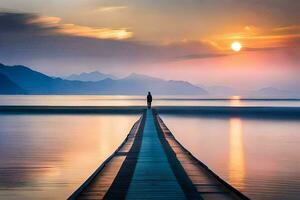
[{"x": 152, "y": 164}]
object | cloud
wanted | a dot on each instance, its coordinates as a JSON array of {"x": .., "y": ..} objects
[
  {"x": 101, "y": 33},
  {"x": 255, "y": 38},
  {"x": 109, "y": 8},
  {"x": 47, "y": 25},
  {"x": 287, "y": 29},
  {"x": 200, "y": 56},
  {"x": 47, "y": 34},
  {"x": 26, "y": 22}
]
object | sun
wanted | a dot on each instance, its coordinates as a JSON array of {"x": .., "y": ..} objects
[{"x": 236, "y": 46}]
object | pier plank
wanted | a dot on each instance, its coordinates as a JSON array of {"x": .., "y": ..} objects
[
  {"x": 97, "y": 186},
  {"x": 152, "y": 164},
  {"x": 207, "y": 183}
]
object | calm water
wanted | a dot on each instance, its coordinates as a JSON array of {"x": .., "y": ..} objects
[
  {"x": 259, "y": 157},
  {"x": 77, "y": 100},
  {"x": 49, "y": 156}
]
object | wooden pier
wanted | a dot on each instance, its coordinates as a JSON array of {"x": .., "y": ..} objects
[{"x": 152, "y": 164}]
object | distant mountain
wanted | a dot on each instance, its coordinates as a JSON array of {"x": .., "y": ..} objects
[
  {"x": 136, "y": 77},
  {"x": 272, "y": 92},
  {"x": 32, "y": 81},
  {"x": 89, "y": 76},
  {"x": 9, "y": 87},
  {"x": 138, "y": 83},
  {"x": 223, "y": 91},
  {"x": 37, "y": 83},
  {"x": 267, "y": 92}
]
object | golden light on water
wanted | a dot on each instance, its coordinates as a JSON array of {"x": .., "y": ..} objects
[
  {"x": 236, "y": 46},
  {"x": 236, "y": 153},
  {"x": 235, "y": 97},
  {"x": 235, "y": 101}
]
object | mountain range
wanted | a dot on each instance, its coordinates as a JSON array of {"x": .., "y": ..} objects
[
  {"x": 9, "y": 87},
  {"x": 89, "y": 76},
  {"x": 266, "y": 92},
  {"x": 22, "y": 79}
]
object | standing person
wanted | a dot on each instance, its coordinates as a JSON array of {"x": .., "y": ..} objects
[{"x": 149, "y": 100}]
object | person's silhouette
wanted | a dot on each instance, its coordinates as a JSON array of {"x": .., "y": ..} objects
[{"x": 149, "y": 100}]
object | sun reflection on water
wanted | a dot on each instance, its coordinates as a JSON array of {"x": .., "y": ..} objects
[
  {"x": 235, "y": 101},
  {"x": 236, "y": 153}
]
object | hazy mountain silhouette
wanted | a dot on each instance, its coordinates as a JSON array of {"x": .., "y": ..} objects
[
  {"x": 273, "y": 92},
  {"x": 9, "y": 87},
  {"x": 37, "y": 83},
  {"x": 157, "y": 85},
  {"x": 89, "y": 76},
  {"x": 136, "y": 77},
  {"x": 225, "y": 91},
  {"x": 267, "y": 92}
]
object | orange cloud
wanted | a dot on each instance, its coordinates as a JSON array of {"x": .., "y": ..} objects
[
  {"x": 55, "y": 26},
  {"x": 101, "y": 33},
  {"x": 110, "y": 8},
  {"x": 287, "y": 28},
  {"x": 257, "y": 38}
]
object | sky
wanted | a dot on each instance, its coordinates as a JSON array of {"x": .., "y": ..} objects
[{"x": 186, "y": 40}]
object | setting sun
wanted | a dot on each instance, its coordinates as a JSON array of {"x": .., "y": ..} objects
[{"x": 236, "y": 46}]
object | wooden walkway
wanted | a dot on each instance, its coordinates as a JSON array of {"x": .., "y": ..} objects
[{"x": 152, "y": 164}]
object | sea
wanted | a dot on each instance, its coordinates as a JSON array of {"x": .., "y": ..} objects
[{"x": 49, "y": 156}]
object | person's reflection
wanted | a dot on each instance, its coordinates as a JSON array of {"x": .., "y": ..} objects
[{"x": 236, "y": 153}]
